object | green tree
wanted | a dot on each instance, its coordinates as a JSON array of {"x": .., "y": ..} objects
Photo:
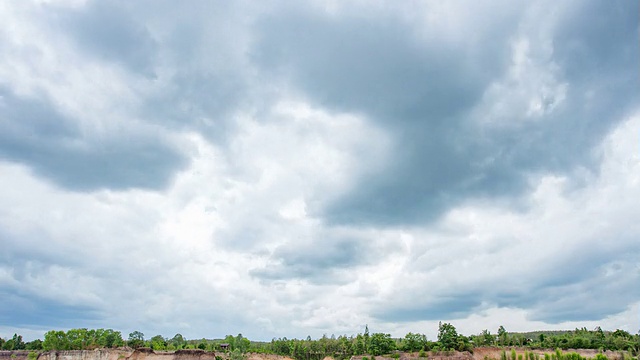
[
  {"x": 502, "y": 335},
  {"x": 447, "y": 336},
  {"x": 109, "y": 338},
  {"x": 485, "y": 338},
  {"x": 366, "y": 338},
  {"x": 78, "y": 338},
  {"x": 15, "y": 343},
  {"x": 381, "y": 344},
  {"x": 178, "y": 341},
  {"x": 242, "y": 343},
  {"x": 359, "y": 347},
  {"x": 158, "y": 342},
  {"x": 229, "y": 339},
  {"x": 34, "y": 345},
  {"x": 18, "y": 343},
  {"x": 413, "y": 342},
  {"x": 136, "y": 339},
  {"x": 8, "y": 345},
  {"x": 55, "y": 340}
]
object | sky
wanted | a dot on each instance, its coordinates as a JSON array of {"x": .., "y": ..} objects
[{"x": 285, "y": 168}]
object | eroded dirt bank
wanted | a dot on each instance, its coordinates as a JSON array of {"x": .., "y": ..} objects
[
  {"x": 148, "y": 354},
  {"x": 112, "y": 354}
]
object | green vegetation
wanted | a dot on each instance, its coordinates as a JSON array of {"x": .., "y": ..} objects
[
  {"x": 368, "y": 345},
  {"x": 237, "y": 355},
  {"x": 15, "y": 343},
  {"x": 618, "y": 340},
  {"x": 414, "y": 342},
  {"x": 79, "y": 339}
]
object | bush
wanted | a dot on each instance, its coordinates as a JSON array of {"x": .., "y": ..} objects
[
  {"x": 237, "y": 355},
  {"x": 601, "y": 357}
]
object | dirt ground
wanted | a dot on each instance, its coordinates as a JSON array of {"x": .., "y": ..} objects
[
  {"x": 483, "y": 353},
  {"x": 494, "y": 353}
]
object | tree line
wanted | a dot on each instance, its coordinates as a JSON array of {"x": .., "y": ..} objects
[
  {"x": 342, "y": 347},
  {"x": 619, "y": 340},
  {"x": 16, "y": 343}
]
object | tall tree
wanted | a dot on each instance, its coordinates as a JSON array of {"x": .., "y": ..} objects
[
  {"x": 136, "y": 339},
  {"x": 447, "y": 336},
  {"x": 366, "y": 338},
  {"x": 178, "y": 341},
  {"x": 502, "y": 335}
]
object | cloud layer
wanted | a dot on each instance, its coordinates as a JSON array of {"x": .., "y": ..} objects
[{"x": 282, "y": 169}]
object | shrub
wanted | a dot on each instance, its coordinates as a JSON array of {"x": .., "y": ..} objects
[
  {"x": 601, "y": 357},
  {"x": 237, "y": 355}
]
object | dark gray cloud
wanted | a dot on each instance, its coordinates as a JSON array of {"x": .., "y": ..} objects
[
  {"x": 207, "y": 82},
  {"x": 29, "y": 310},
  {"x": 424, "y": 93},
  {"x": 318, "y": 261},
  {"x": 36, "y": 134},
  {"x": 549, "y": 291},
  {"x": 445, "y": 307},
  {"x": 377, "y": 65},
  {"x": 204, "y": 83},
  {"x": 608, "y": 270},
  {"x": 110, "y": 31}
]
